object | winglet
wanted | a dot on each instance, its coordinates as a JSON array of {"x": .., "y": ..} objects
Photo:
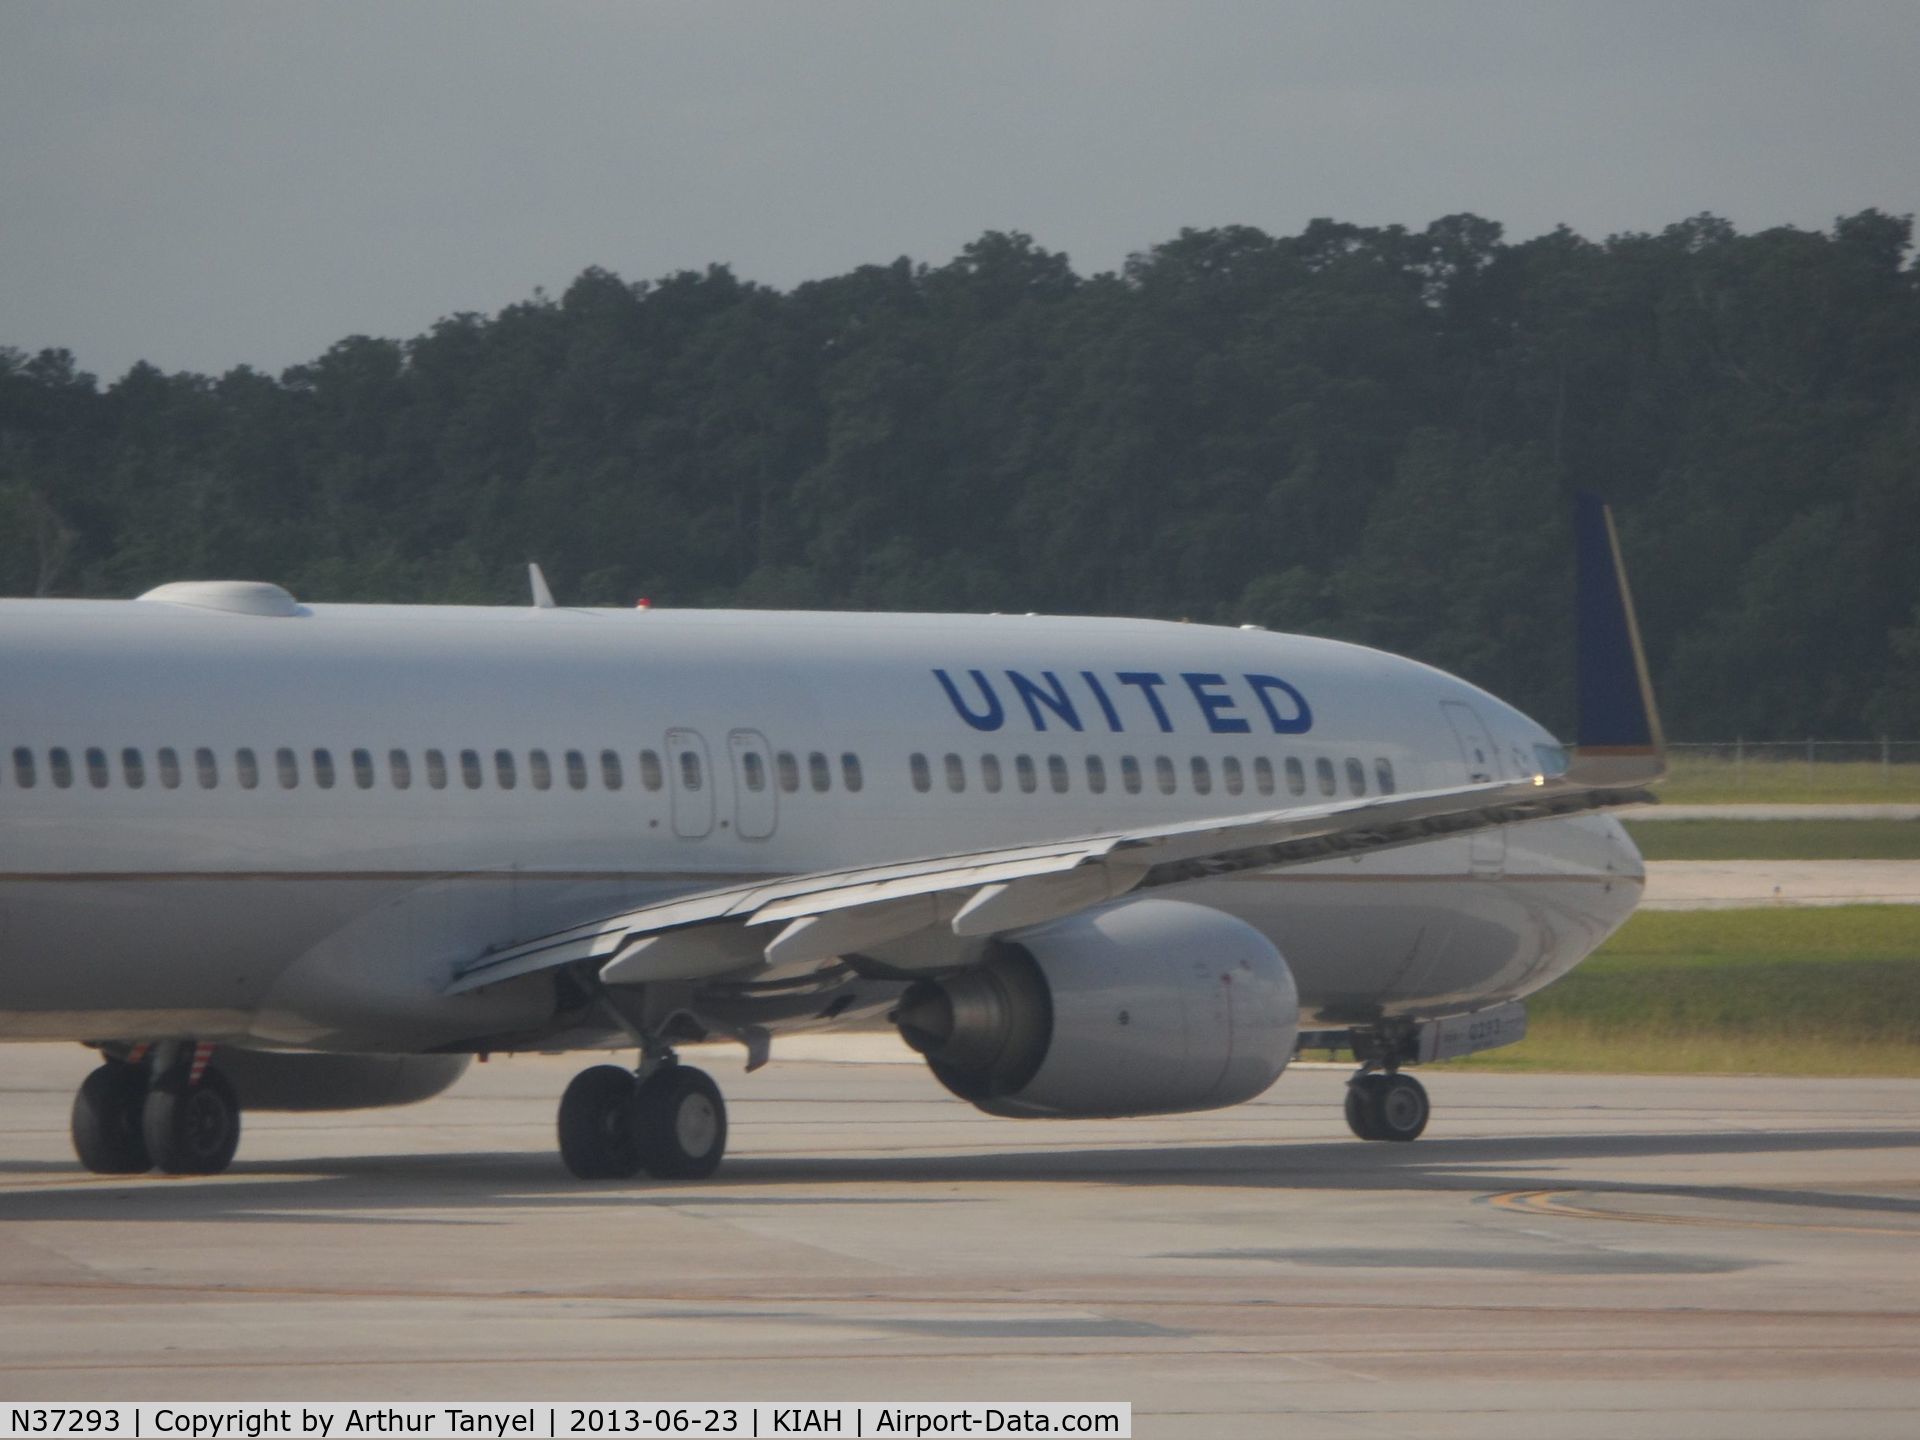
[
  {"x": 1619, "y": 732},
  {"x": 542, "y": 596}
]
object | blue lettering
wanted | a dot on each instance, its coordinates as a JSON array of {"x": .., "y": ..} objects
[
  {"x": 994, "y": 717},
  {"x": 1106, "y": 705},
  {"x": 1054, "y": 699},
  {"x": 1297, "y": 723},
  {"x": 1146, "y": 681},
  {"x": 1214, "y": 706}
]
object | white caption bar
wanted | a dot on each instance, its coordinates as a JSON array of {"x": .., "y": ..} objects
[{"x": 560, "y": 1420}]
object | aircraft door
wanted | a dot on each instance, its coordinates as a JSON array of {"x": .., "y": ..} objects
[
  {"x": 690, "y": 778},
  {"x": 1486, "y": 849},
  {"x": 756, "y": 804}
]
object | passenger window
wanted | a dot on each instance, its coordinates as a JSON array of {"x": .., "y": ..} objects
[
  {"x": 1057, "y": 773},
  {"x": 470, "y": 769},
  {"x": 97, "y": 768},
  {"x": 133, "y": 767},
  {"x": 288, "y": 765},
  {"x": 1296, "y": 776},
  {"x": 1029, "y": 777},
  {"x": 363, "y": 769},
  {"x": 323, "y": 769},
  {"x": 169, "y": 759},
  {"x": 539, "y": 771},
  {"x": 399, "y": 769},
  {"x": 1323, "y": 772},
  {"x": 850, "y": 774},
  {"x": 1263, "y": 775},
  {"x": 247, "y": 768},
  {"x": 1383, "y": 775},
  {"x": 922, "y": 773},
  {"x": 788, "y": 769},
  {"x": 23, "y": 771},
  {"x": 437, "y": 769},
  {"x": 651, "y": 775},
  {"x": 503, "y": 770},
  {"x": 956, "y": 774},
  {"x": 576, "y": 770},
  {"x": 819, "y": 772},
  {"x": 207, "y": 768},
  {"x": 1164, "y": 773},
  {"x": 1231, "y": 778},
  {"x": 690, "y": 777},
  {"x": 59, "y": 766},
  {"x": 1130, "y": 774},
  {"x": 1096, "y": 775},
  {"x": 990, "y": 774},
  {"x": 1356, "y": 777},
  {"x": 610, "y": 773},
  {"x": 753, "y": 770},
  {"x": 1202, "y": 776}
]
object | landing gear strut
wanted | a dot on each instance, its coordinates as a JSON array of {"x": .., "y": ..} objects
[
  {"x": 175, "y": 1113},
  {"x": 667, "y": 1119}
]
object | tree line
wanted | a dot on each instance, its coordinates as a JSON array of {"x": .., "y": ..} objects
[{"x": 1368, "y": 433}]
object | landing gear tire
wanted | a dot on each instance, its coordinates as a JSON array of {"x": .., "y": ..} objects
[
  {"x": 1361, "y": 1101},
  {"x": 1387, "y": 1107},
  {"x": 107, "y": 1120},
  {"x": 191, "y": 1128},
  {"x": 598, "y": 1134},
  {"x": 681, "y": 1124}
]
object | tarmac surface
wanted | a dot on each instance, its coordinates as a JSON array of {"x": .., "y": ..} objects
[{"x": 1566, "y": 1256}]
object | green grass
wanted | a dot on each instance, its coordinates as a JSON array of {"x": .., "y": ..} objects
[
  {"x": 1777, "y": 839},
  {"x": 1698, "y": 780},
  {"x": 1819, "y": 991}
]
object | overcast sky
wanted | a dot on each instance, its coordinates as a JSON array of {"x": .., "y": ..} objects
[{"x": 209, "y": 184}]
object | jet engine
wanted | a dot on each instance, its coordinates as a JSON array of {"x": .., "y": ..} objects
[
  {"x": 1145, "y": 1007},
  {"x": 302, "y": 1080}
]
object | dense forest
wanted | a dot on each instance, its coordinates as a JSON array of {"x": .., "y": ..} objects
[{"x": 1364, "y": 433}]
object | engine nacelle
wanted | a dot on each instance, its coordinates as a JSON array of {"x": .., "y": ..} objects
[
  {"x": 1145, "y": 1007},
  {"x": 304, "y": 1080}
]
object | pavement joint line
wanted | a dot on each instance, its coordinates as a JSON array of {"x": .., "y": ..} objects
[{"x": 1550, "y": 1202}]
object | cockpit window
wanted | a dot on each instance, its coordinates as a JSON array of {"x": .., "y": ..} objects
[{"x": 1552, "y": 759}]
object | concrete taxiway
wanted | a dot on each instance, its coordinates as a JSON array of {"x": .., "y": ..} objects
[{"x": 1561, "y": 1255}]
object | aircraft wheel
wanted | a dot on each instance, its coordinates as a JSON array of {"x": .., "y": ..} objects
[
  {"x": 191, "y": 1129},
  {"x": 597, "y": 1131},
  {"x": 681, "y": 1124},
  {"x": 1361, "y": 1103},
  {"x": 106, "y": 1120},
  {"x": 1399, "y": 1108}
]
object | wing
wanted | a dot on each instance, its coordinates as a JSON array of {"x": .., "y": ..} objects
[{"x": 802, "y": 918}]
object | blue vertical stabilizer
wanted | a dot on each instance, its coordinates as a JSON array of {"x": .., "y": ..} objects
[{"x": 1619, "y": 728}]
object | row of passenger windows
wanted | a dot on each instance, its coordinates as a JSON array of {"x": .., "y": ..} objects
[
  {"x": 1234, "y": 774},
  {"x": 474, "y": 768}
]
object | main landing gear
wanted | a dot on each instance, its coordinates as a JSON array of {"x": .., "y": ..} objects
[
  {"x": 666, "y": 1118},
  {"x": 167, "y": 1109},
  {"x": 1386, "y": 1105}
]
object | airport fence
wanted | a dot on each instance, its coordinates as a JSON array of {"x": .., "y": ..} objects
[{"x": 1789, "y": 771}]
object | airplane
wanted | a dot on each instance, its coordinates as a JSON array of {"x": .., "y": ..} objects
[{"x": 268, "y": 855}]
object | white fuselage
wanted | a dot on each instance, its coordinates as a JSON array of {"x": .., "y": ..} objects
[{"x": 148, "y": 891}]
